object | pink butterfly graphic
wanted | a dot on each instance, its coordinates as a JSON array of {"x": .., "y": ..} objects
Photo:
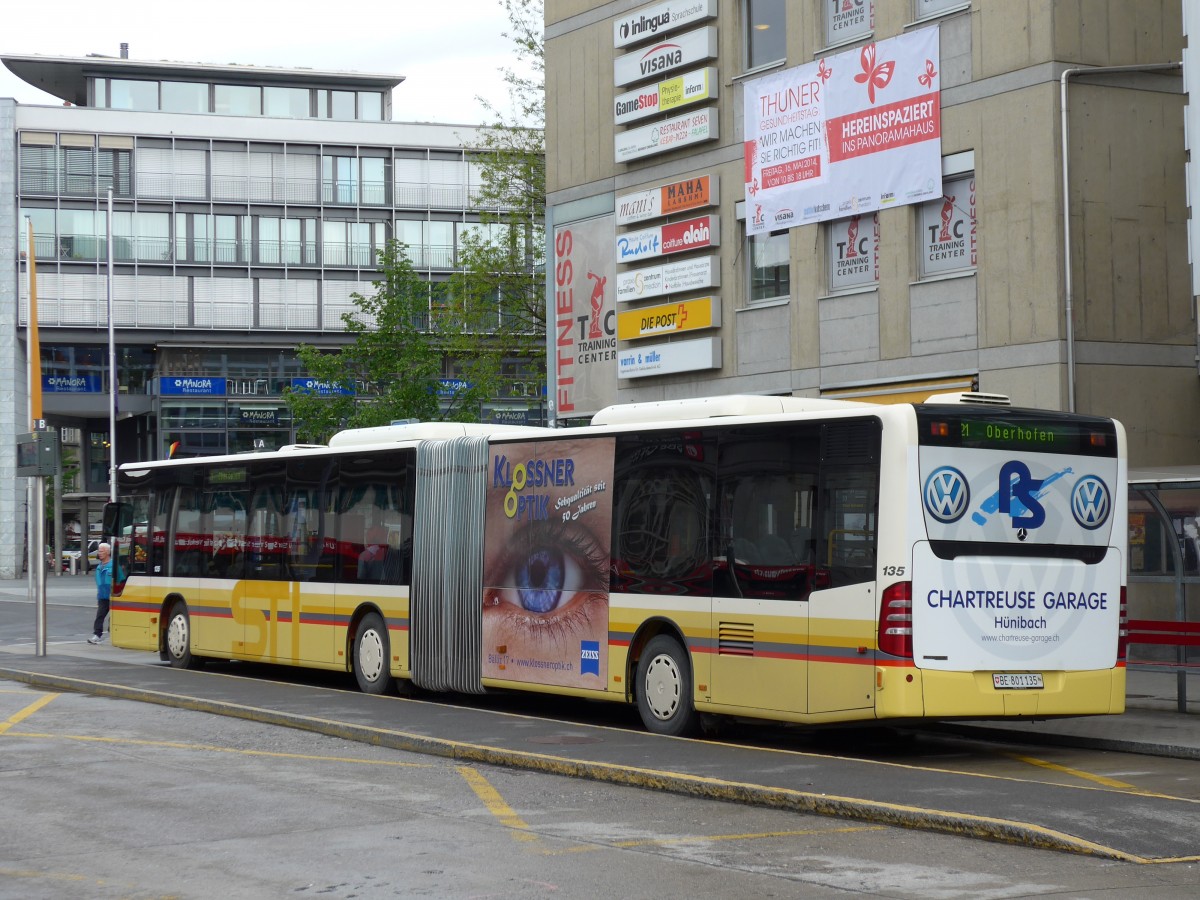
[
  {"x": 823, "y": 72},
  {"x": 927, "y": 78},
  {"x": 872, "y": 75}
]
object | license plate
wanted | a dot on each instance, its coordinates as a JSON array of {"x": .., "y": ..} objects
[{"x": 1017, "y": 681}]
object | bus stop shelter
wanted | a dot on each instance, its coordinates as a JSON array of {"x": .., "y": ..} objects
[{"x": 1164, "y": 565}]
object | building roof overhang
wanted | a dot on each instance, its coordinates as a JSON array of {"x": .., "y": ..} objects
[{"x": 66, "y": 77}]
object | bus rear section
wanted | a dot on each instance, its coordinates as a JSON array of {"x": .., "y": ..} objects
[{"x": 1018, "y": 569}]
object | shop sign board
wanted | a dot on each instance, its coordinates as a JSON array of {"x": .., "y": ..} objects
[
  {"x": 662, "y": 18},
  {"x": 692, "y": 274},
  {"x": 674, "y": 93},
  {"x": 669, "y": 359},
  {"x": 665, "y": 56},
  {"x": 667, "y": 199},
  {"x": 669, "y": 318},
  {"x": 669, "y": 134}
]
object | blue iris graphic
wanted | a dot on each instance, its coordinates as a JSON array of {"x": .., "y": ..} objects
[{"x": 540, "y": 580}]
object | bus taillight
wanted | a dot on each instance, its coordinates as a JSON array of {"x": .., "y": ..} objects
[
  {"x": 895, "y": 620},
  {"x": 1123, "y": 628}
]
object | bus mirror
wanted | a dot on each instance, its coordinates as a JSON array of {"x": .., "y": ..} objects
[{"x": 116, "y": 516}]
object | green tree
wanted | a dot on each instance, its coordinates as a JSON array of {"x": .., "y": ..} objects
[
  {"x": 393, "y": 366},
  {"x": 502, "y": 283}
]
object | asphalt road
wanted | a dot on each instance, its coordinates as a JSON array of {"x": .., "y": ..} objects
[{"x": 111, "y": 798}]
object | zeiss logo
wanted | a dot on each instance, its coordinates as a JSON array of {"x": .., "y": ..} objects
[
  {"x": 1090, "y": 502},
  {"x": 589, "y": 657},
  {"x": 947, "y": 494}
]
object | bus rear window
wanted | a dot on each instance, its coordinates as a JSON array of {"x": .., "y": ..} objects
[{"x": 1020, "y": 430}]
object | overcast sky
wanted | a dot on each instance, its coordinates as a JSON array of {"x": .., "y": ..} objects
[{"x": 450, "y": 51}]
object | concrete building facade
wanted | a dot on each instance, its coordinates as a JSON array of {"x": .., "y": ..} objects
[{"x": 995, "y": 312}]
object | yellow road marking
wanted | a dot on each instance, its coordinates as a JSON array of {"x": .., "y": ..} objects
[
  {"x": 211, "y": 748},
  {"x": 1077, "y": 773},
  {"x": 26, "y": 712},
  {"x": 495, "y": 803}
]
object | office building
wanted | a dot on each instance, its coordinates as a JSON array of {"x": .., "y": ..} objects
[{"x": 248, "y": 206}]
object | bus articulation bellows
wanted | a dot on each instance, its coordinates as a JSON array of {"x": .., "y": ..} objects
[{"x": 781, "y": 558}]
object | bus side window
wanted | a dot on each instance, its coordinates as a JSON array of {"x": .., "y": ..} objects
[
  {"x": 187, "y": 547},
  {"x": 767, "y": 477},
  {"x": 662, "y": 514},
  {"x": 849, "y": 502}
]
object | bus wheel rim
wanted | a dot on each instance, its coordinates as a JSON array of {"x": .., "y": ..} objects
[
  {"x": 177, "y": 636},
  {"x": 370, "y": 655},
  {"x": 662, "y": 686}
]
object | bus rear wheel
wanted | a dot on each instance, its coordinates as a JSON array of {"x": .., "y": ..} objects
[
  {"x": 372, "y": 655},
  {"x": 179, "y": 638},
  {"x": 664, "y": 688}
]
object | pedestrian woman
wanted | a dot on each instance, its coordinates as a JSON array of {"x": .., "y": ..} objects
[{"x": 103, "y": 591}]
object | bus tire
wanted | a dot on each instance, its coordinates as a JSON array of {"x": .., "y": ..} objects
[
  {"x": 664, "y": 688},
  {"x": 179, "y": 638},
  {"x": 372, "y": 655}
]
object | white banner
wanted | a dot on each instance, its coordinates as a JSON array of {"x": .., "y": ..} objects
[
  {"x": 850, "y": 133},
  {"x": 583, "y": 319}
]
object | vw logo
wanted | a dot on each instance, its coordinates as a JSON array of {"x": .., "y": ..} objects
[
  {"x": 947, "y": 494},
  {"x": 1090, "y": 502}
]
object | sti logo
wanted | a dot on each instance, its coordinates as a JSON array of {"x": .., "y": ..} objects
[
  {"x": 1090, "y": 502},
  {"x": 947, "y": 494},
  {"x": 1017, "y": 483}
]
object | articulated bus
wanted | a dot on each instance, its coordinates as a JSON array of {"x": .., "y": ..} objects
[{"x": 791, "y": 559}]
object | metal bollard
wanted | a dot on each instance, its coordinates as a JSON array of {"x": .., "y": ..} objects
[{"x": 74, "y": 565}]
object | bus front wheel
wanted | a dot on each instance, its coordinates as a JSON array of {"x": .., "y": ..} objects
[
  {"x": 179, "y": 638},
  {"x": 372, "y": 656},
  {"x": 664, "y": 688}
]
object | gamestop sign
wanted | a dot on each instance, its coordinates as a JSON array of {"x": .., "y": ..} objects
[
  {"x": 674, "y": 93},
  {"x": 664, "y": 240}
]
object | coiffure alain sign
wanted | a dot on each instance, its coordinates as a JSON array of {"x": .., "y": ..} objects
[{"x": 663, "y": 18}]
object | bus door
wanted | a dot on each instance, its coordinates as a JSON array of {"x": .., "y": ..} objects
[
  {"x": 286, "y": 598},
  {"x": 209, "y": 527},
  {"x": 265, "y": 596},
  {"x": 374, "y": 540},
  {"x": 842, "y": 617},
  {"x": 764, "y": 566}
]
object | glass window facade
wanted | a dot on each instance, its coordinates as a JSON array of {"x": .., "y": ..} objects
[
  {"x": 237, "y": 100},
  {"x": 126, "y": 94},
  {"x": 184, "y": 97},
  {"x": 765, "y": 32},
  {"x": 770, "y": 266},
  {"x": 285, "y": 102}
]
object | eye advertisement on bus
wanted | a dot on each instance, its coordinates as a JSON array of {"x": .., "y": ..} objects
[
  {"x": 548, "y": 531},
  {"x": 1052, "y": 601}
]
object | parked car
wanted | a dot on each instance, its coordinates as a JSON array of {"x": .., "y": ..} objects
[{"x": 73, "y": 551}]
